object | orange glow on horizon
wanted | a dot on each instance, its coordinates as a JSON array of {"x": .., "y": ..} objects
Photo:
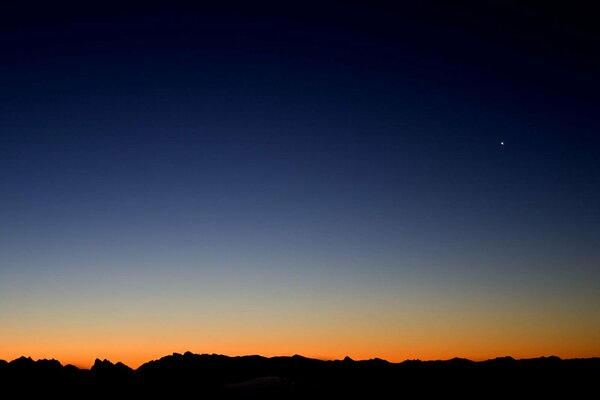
[
  {"x": 394, "y": 326},
  {"x": 137, "y": 354}
]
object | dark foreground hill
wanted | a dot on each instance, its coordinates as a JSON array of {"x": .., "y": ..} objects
[{"x": 210, "y": 376}]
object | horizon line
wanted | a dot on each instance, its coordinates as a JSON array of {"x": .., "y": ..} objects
[{"x": 345, "y": 359}]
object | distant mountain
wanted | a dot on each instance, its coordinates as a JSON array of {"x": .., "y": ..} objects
[{"x": 213, "y": 375}]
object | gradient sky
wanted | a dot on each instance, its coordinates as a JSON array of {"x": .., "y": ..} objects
[{"x": 326, "y": 181}]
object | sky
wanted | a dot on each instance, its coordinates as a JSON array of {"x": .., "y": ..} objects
[{"x": 357, "y": 179}]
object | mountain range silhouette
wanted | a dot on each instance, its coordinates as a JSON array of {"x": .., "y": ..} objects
[{"x": 300, "y": 377}]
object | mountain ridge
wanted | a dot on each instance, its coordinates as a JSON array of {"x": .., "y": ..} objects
[
  {"x": 216, "y": 375},
  {"x": 103, "y": 363}
]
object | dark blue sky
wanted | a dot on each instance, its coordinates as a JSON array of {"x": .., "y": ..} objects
[{"x": 337, "y": 146}]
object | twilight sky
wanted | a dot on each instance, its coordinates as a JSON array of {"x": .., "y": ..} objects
[{"x": 326, "y": 181}]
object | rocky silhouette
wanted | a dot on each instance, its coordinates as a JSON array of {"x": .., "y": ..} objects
[{"x": 297, "y": 376}]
